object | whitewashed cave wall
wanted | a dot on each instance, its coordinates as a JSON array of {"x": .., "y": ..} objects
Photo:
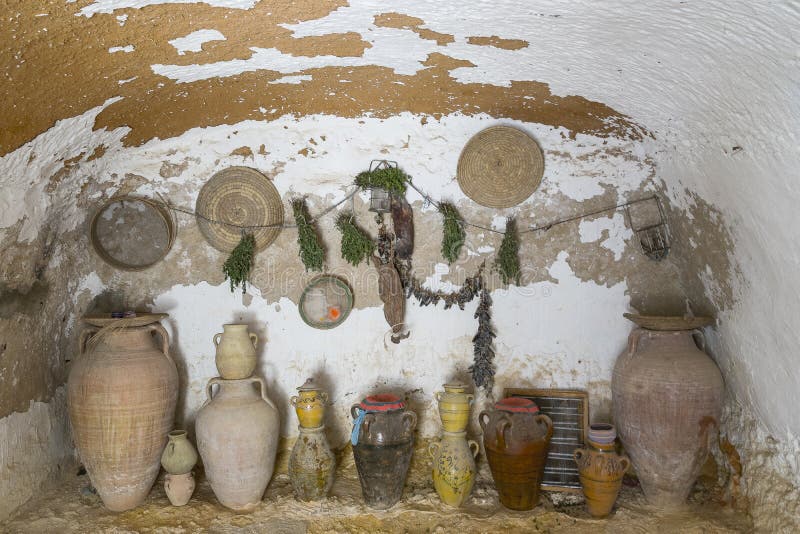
[{"x": 702, "y": 79}]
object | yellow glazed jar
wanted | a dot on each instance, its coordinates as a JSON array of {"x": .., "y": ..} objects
[
  {"x": 309, "y": 404},
  {"x": 453, "y": 467},
  {"x": 454, "y": 405}
]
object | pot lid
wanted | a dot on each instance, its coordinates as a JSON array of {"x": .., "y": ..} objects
[
  {"x": 309, "y": 385},
  {"x": 517, "y": 405},
  {"x": 383, "y": 402}
]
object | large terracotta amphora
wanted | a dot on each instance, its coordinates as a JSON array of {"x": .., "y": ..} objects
[
  {"x": 237, "y": 437},
  {"x": 667, "y": 396},
  {"x": 236, "y": 352},
  {"x": 122, "y": 391},
  {"x": 383, "y": 442},
  {"x": 453, "y": 467},
  {"x": 516, "y": 438}
]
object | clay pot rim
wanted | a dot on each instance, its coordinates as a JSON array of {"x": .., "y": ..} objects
[
  {"x": 382, "y": 402},
  {"x": 177, "y": 433},
  {"x": 517, "y": 405},
  {"x": 455, "y": 385},
  {"x": 232, "y": 325}
]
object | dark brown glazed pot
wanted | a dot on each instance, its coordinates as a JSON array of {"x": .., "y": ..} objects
[
  {"x": 516, "y": 438},
  {"x": 383, "y": 441},
  {"x": 667, "y": 397}
]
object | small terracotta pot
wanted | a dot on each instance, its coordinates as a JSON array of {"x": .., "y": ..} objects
[
  {"x": 601, "y": 470},
  {"x": 179, "y": 488}
]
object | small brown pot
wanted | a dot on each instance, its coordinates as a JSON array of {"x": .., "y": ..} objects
[
  {"x": 516, "y": 438},
  {"x": 601, "y": 470}
]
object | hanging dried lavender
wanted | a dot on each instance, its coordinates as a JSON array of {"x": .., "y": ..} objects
[
  {"x": 413, "y": 287},
  {"x": 483, "y": 368}
]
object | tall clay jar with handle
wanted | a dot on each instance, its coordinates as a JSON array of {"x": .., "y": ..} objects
[
  {"x": 236, "y": 352},
  {"x": 122, "y": 392},
  {"x": 667, "y": 398},
  {"x": 383, "y": 442},
  {"x": 453, "y": 467},
  {"x": 516, "y": 438},
  {"x": 454, "y": 406},
  {"x": 601, "y": 469},
  {"x": 237, "y": 436}
]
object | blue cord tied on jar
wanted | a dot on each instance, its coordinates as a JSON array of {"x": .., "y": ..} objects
[{"x": 374, "y": 403}]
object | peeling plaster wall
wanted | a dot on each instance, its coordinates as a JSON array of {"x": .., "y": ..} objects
[{"x": 699, "y": 100}]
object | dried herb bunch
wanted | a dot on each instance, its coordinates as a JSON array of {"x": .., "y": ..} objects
[
  {"x": 357, "y": 246},
  {"x": 311, "y": 252},
  {"x": 413, "y": 287},
  {"x": 482, "y": 368},
  {"x": 237, "y": 266},
  {"x": 507, "y": 262},
  {"x": 453, "y": 235},
  {"x": 393, "y": 179}
]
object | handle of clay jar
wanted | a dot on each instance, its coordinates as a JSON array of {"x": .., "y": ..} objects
[
  {"x": 433, "y": 449},
  {"x": 368, "y": 420},
  {"x": 410, "y": 419},
  {"x": 293, "y": 401},
  {"x": 210, "y": 389},
  {"x": 215, "y": 339},
  {"x": 324, "y": 396},
  {"x": 543, "y": 419},
  {"x": 626, "y": 463},
  {"x": 634, "y": 338},
  {"x": 470, "y": 398},
  {"x": 438, "y": 396},
  {"x": 699, "y": 338},
  {"x": 161, "y": 331},
  {"x": 253, "y": 339},
  {"x": 578, "y": 455},
  {"x": 263, "y": 386},
  {"x": 85, "y": 336},
  {"x": 500, "y": 430},
  {"x": 483, "y": 420},
  {"x": 475, "y": 449},
  {"x": 354, "y": 410}
]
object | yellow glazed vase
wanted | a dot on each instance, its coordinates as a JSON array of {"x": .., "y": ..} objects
[
  {"x": 454, "y": 406},
  {"x": 310, "y": 407},
  {"x": 236, "y": 352},
  {"x": 453, "y": 467}
]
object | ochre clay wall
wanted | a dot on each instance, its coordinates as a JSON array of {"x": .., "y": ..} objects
[{"x": 146, "y": 97}]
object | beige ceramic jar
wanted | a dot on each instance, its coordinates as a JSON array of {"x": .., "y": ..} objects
[
  {"x": 237, "y": 436},
  {"x": 236, "y": 352},
  {"x": 179, "y": 455},
  {"x": 454, "y": 406}
]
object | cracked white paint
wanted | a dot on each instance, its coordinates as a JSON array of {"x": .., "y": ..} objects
[
  {"x": 613, "y": 230},
  {"x": 126, "y": 49},
  {"x": 109, "y": 6},
  {"x": 195, "y": 40}
]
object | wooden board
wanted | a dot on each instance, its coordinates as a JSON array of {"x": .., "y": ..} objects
[{"x": 569, "y": 411}]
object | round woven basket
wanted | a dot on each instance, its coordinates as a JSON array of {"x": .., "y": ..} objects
[
  {"x": 234, "y": 197},
  {"x": 500, "y": 167},
  {"x": 132, "y": 233}
]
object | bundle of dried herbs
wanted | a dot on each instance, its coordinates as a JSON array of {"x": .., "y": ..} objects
[
  {"x": 483, "y": 352},
  {"x": 357, "y": 246},
  {"x": 311, "y": 252},
  {"x": 393, "y": 179},
  {"x": 453, "y": 235},
  {"x": 507, "y": 262},
  {"x": 413, "y": 287},
  {"x": 237, "y": 266}
]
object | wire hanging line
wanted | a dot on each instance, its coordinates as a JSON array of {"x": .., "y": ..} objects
[{"x": 427, "y": 198}]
